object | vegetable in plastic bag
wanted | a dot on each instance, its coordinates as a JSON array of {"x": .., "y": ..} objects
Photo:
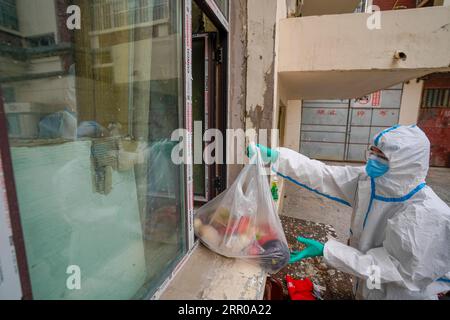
[{"x": 243, "y": 223}]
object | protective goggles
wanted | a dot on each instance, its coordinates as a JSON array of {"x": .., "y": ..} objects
[{"x": 374, "y": 153}]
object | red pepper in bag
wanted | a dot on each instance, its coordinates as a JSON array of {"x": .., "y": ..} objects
[{"x": 243, "y": 225}]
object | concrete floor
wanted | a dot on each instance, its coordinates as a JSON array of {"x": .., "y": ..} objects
[{"x": 303, "y": 204}]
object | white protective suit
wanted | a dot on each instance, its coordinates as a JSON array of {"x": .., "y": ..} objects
[{"x": 398, "y": 224}]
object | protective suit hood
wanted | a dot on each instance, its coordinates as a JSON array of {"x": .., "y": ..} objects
[{"x": 408, "y": 151}]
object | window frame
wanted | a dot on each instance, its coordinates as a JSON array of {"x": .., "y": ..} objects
[
  {"x": 13, "y": 206},
  {"x": 212, "y": 11},
  {"x": 431, "y": 98},
  {"x": 217, "y": 17},
  {"x": 189, "y": 167},
  {"x": 191, "y": 243},
  {"x": 187, "y": 171}
]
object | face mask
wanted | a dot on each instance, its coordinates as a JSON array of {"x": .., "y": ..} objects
[{"x": 376, "y": 167}]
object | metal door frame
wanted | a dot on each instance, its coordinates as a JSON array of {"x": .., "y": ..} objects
[
  {"x": 330, "y": 125},
  {"x": 209, "y": 107},
  {"x": 349, "y": 126}
]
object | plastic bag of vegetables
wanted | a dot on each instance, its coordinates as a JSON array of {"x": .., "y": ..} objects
[{"x": 243, "y": 223}]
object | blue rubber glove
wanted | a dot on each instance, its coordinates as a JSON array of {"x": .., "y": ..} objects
[
  {"x": 267, "y": 154},
  {"x": 313, "y": 249}
]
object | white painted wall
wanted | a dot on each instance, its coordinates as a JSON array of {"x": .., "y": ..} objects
[
  {"x": 338, "y": 57},
  {"x": 36, "y": 17},
  {"x": 282, "y": 12},
  {"x": 55, "y": 91},
  {"x": 411, "y": 99},
  {"x": 260, "y": 52},
  {"x": 344, "y": 42},
  {"x": 293, "y": 125}
]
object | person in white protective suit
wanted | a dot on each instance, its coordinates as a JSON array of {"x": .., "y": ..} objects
[{"x": 400, "y": 229}]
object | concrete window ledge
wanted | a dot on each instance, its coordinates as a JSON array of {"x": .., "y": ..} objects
[{"x": 208, "y": 276}]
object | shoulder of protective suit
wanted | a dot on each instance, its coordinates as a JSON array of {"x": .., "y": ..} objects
[
  {"x": 418, "y": 235},
  {"x": 436, "y": 205},
  {"x": 428, "y": 206},
  {"x": 428, "y": 215}
]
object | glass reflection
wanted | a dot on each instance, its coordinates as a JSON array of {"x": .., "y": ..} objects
[{"x": 89, "y": 114}]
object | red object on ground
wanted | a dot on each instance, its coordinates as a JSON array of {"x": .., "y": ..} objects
[{"x": 300, "y": 289}]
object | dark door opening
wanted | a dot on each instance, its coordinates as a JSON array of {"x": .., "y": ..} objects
[{"x": 208, "y": 100}]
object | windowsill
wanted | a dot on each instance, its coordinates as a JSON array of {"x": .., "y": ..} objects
[{"x": 209, "y": 276}]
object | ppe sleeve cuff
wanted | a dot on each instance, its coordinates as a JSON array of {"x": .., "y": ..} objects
[{"x": 328, "y": 248}]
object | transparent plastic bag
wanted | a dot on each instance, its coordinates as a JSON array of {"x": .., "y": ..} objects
[{"x": 243, "y": 223}]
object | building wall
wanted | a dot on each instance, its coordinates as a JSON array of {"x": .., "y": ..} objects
[
  {"x": 306, "y": 43},
  {"x": 39, "y": 18},
  {"x": 262, "y": 20},
  {"x": 55, "y": 91},
  {"x": 292, "y": 125},
  {"x": 281, "y": 13},
  {"x": 300, "y": 41},
  {"x": 237, "y": 74},
  {"x": 434, "y": 117},
  {"x": 36, "y": 17},
  {"x": 254, "y": 97},
  {"x": 412, "y": 99},
  {"x": 409, "y": 109}
]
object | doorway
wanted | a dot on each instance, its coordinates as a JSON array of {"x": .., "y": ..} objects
[{"x": 208, "y": 99}]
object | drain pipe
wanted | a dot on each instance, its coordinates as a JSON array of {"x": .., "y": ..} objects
[{"x": 400, "y": 55}]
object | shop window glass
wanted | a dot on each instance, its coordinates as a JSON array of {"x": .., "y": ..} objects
[{"x": 90, "y": 117}]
